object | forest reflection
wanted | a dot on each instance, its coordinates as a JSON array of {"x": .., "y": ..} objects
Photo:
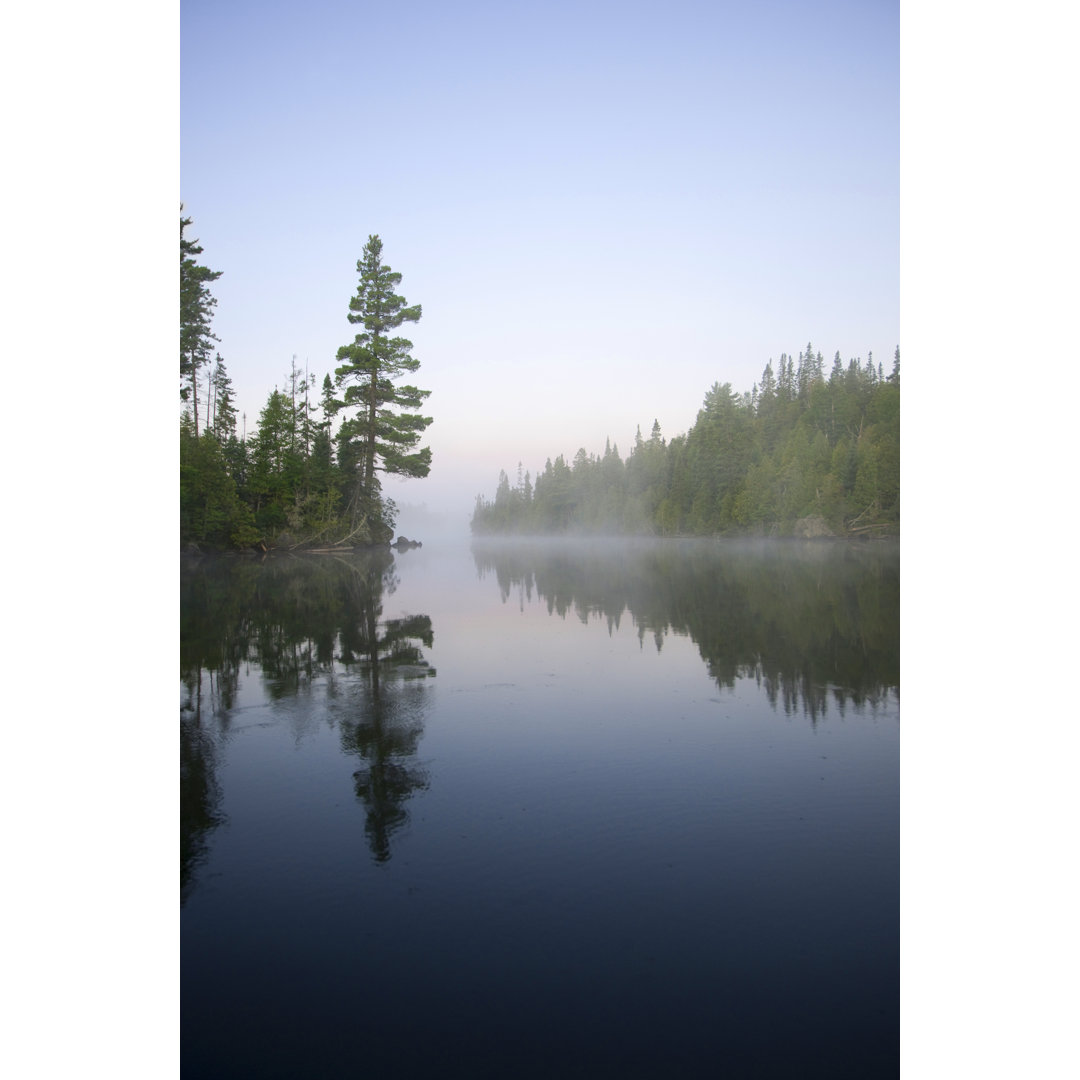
[
  {"x": 809, "y": 621},
  {"x": 302, "y": 623}
]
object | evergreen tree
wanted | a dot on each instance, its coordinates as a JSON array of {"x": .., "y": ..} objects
[
  {"x": 804, "y": 377},
  {"x": 837, "y": 374},
  {"x": 196, "y": 311},
  {"x": 384, "y": 427},
  {"x": 329, "y": 406},
  {"x": 224, "y": 413},
  {"x": 768, "y": 383},
  {"x": 210, "y": 510},
  {"x": 785, "y": 383},
  {"x": 271, "y": 463},
  {"x": 321, "y": 443}
]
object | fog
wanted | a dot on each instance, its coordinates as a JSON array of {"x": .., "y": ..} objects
[{"x": 429, "y": 522}]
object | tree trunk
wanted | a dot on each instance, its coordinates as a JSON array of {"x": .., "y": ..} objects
[{"x": 195, "y": 394}]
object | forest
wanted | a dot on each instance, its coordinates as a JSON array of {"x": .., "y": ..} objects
[
  {"x": 801, "y": 454},
  {"x": 309, "y": 474}
]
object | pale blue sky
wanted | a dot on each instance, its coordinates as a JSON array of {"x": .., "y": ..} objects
[{"x": 603, "y": 208}]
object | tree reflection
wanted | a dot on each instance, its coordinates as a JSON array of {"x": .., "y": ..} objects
[
  {"x": 300, "y": 623},
  {"x": 385, "y": 716},
  {"x": 200, "y": 795},
  {"x": 808, "y": 621}
]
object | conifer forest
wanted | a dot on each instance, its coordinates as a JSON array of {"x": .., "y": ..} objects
[
  {"x": 308, "y": 475},
  {"x": 807, "y": 451},
  {"x": 801, "y": 454}
]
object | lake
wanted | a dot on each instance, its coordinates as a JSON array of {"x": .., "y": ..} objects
[{"x": 542, "y": 809}]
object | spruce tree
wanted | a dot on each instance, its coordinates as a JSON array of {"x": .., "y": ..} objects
[
  {"x": 321, "y": 455},
  {"x": 385, "y": 426},
  {"x": 224, "y": 413}
]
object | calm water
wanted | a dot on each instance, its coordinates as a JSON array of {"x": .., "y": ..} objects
[{"x": 570, "y": 810}]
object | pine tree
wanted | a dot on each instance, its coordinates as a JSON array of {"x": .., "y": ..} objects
[
  {"x": 196, "y": 311},
  {"x": 385, "y": 427}
]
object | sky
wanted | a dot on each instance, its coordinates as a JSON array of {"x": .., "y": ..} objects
[{"x": 603, "y": 208}]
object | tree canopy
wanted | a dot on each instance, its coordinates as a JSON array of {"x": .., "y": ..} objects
[{"x": 294, "y": 480}]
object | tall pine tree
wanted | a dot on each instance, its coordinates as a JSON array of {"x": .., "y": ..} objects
[
  {"x": 382, "y": 425},
  {"x": 196, "y": 311}
]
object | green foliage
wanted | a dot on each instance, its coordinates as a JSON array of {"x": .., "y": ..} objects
[
  {"x": 223, "y": 412},
  {"x": 211, "y": 512},
  {"x": 382, "y": 428},
  {"x": 275, "y": 465},
  {"x": 295, "y": 480},
  {"x": 799, "y": 446},
  {"x": 196, "y": 312}
]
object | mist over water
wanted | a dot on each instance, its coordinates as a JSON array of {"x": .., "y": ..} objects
[
  {"x": 810, "y": 621},
  {"x": 579, "y": 808}
]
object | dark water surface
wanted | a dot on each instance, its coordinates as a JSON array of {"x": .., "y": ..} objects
[{"x": 559, "y": 810}]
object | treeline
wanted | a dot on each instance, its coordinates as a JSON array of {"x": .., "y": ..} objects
[
  {"x": 802, "y": 453},
  {"x": 296, "y": 480},
  {"x": 283, "y": 482}
]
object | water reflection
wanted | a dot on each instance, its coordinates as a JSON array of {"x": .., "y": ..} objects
[
  {"x": 301, "y": 624},
  {"x": 808, "y": 621},
  {"x": 384, "y": 718},
  {"x": 200, "y": 794}
]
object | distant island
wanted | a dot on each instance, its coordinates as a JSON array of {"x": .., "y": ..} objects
[{"x": 801, "y": 454}]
